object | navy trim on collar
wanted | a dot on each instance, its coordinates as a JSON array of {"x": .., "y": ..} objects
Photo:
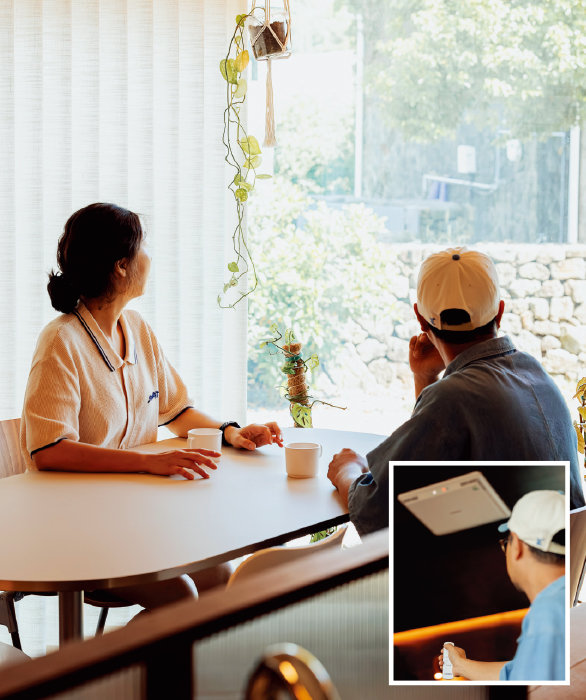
[{"x": 93, "y": 337}]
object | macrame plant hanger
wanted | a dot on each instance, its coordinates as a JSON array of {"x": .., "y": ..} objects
[{"x": 270, "y": 38}]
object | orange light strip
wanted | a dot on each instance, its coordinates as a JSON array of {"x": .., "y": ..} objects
[{"x": 473, "y": 623}]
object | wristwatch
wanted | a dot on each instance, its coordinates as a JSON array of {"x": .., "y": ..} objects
[{"x": 223, "y": 427}]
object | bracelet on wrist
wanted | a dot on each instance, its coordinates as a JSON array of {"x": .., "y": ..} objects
[{"x": 223, "y": 427}]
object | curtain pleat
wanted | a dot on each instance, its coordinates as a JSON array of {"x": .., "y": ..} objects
[{"x": 120, "y": 101}]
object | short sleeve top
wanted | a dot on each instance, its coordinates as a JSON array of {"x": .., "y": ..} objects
[
  {"x": 80, "y": 389},
  {"x": 541, "y": 650}
]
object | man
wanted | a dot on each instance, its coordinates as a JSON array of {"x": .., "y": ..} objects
[
  {"x": 493, "y": 402},
  {"x": 535, "y": 556}
]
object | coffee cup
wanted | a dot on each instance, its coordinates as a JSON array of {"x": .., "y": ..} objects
[
  {"x": 302, "y": 459},
  {"x": 205, "y": 438}
]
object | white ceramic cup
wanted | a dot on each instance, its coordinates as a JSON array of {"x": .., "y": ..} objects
[
  {"x": 302, "y": 459},
  {"x": 205, "y": 438}
]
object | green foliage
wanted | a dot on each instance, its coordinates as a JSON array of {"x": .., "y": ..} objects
[
  {"x": 322, "y": 157},
  {"x": 521, "y": 63},
  {"x": 322, "y": 534},
  {"x": 243, "y": 153},
  {"x": 321, "y": 268},
  {"x": 301, "y": 415}
]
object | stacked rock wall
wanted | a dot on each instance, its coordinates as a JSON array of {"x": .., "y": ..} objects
[{"x": 544, "y": 289}]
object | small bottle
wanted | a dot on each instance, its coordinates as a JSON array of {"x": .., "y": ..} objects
[{"x": 447, "y": 671}]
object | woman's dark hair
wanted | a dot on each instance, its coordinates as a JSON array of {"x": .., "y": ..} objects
[{"x": 93, "y": 240}]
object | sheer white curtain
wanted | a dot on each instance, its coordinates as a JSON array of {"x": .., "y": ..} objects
[{"x": 120, "y": 101}]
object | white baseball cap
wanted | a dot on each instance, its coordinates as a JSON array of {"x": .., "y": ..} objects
[
  {"x": 536, "y": 518},
  {"x": 458, "y": 278}
]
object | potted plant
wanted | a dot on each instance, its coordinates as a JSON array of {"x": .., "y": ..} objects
[{"x": 295, "y": 368}]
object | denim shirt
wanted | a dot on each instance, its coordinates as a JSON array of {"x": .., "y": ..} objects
[
  {"x": 494, "y": 402},
  {"x": 541, "y": 650}
]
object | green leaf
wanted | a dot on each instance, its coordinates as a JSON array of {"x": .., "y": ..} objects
[
  {"x": 228, "y": 70},
  {"x": 301, "y": 415},
  {"x": 233, "y": 267},
  {"x": 263, "y": 344},
  {"x": 240, "y": 20},
  {"x": 289, "y": 336},
  {"x": 580, "y": 438},
  {"x": 241, "y": 61},
  {"x": 263, "y": 176},
  {"x": 252, "y": 163},
  {"x": 226, "y": 287},
  {"x": 250, "y": 146},
  {"x": 274, "y": 328},
  {"x": 240, "y": 89},
  {"x": 241, "y": 194},
  {"x": 238, "y": 40},
  {"x": 313, "y": 362}
]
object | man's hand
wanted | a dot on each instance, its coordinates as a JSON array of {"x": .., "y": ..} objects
[
  {"x": 425, "y": 362},
  {"x": 344, "y": 469},
  {"x": 456, "y": 655},
  {"x": 254, "y": 435},
  {"x": 470, "y": 669}
]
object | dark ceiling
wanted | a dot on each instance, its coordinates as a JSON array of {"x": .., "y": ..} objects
[{"x": 454, "y": 577}]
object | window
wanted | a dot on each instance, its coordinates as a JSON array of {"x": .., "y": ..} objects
[{"x": 402, "y": 128}]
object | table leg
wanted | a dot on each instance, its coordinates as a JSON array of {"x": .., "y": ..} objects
[{"x": 70, "y": 616}]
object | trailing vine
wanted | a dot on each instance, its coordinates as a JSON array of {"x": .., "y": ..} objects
[
  {"x": 295, "y": 368},
  {"x": 244, "y": 155}
]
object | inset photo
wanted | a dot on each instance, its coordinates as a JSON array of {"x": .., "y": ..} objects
[{"x": 479, "y": 590}]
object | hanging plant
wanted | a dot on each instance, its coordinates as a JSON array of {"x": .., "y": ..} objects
[
  {"x": 270, "y": 38},
  {"x": 295, "y": 368},
  {"x": 580, "y": 425},
  {"x": 243, "y": 154}
]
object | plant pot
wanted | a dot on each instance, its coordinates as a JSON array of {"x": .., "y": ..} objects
[{"x": 272, "y": 39}]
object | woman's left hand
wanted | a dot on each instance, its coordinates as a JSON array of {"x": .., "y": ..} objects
[{"x": 254, "y": 435}]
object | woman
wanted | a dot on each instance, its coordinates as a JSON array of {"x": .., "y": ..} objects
[{"x": 100, "y": 384}]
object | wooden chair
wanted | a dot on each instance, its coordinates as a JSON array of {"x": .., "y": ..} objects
[
  {"x": 11, "y": 655},
  {"x": 13, "y": 462},
  {"x": 577, "y": 552},
  {"x": 274, "y": 556}
]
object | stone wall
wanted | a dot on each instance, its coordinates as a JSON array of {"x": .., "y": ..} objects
[{"x": 544, "y": 289}]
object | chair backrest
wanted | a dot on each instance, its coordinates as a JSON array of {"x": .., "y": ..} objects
[
  {"x": 577, "y": 552},
  {"x": 11, "y": 458},
  {"x": 274, "y": 556}
]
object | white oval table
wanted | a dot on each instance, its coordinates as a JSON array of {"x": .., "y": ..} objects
[{"x": 70, "y": 532}]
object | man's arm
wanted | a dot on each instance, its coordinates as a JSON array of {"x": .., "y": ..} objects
[
  {"x": 470, "y": 669},
  {"x": 344, "y": 469}
]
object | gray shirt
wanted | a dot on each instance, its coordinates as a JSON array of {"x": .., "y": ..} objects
[{"x": 494, "y": 403}]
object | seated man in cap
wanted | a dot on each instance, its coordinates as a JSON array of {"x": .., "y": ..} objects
[
  {"x": 492, "y": 403},
  {"x": 535, "y": 553}
]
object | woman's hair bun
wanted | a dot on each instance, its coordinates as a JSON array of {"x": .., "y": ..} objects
[{"x": 63, "y": 294}]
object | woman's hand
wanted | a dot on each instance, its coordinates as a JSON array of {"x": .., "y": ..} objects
[
  {"x": 255, "y": 435},
  {"x": 183, "y": 462}
]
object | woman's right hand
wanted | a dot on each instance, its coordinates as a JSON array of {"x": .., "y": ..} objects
[{"x": 183, "y": 462}]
